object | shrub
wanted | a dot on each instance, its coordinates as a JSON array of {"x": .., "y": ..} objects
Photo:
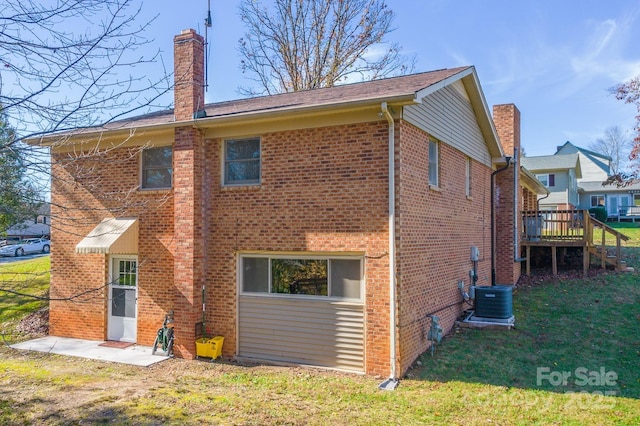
[{"x": 599, "y": 212}]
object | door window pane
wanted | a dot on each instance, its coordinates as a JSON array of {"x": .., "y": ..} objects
[{"x": 123, "y": 302}]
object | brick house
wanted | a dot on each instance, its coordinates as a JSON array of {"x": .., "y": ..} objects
[{"x": 321, "y": 227}]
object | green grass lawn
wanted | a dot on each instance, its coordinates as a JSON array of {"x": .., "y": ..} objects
[
  {"x": 476, "y": 377},
  {"x": 18, "y": 281}
]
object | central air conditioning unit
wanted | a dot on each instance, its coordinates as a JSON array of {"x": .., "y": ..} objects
[{"x": 494, "y": 302}]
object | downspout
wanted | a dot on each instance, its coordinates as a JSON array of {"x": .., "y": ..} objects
[
  {"x": 392, "y": 382},
  {"x": 493, "y": 219},
  {"x": 516, "y": 212}
]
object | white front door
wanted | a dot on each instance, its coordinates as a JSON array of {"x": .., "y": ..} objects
[{"x": 123, "y": 296}]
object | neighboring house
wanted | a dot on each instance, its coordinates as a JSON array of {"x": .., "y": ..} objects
[
  {"x": 39, "y": 226},
  {"x": 621, "y": 203},
  {"x": 560, "y": 175},
  {"x": 591, "y": 189},
  {"x": 594, "y": 166},
  {"x": 321, "y": 227}
]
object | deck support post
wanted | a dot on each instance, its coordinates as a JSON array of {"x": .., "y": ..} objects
[
  {"x": 528, "y": 260},
  {"x": 585, "y": 260},
  {"x": 554, "y": 260}
]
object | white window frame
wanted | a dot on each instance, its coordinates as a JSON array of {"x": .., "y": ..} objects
[
  {"x": 270, "y": 256},
  {"x": 143, "y": 168},
  {"x": 468, "y": 177},
  {"x": 246, "y": 182},
  {"x": 598, "y": 197},
  {"x": 434, "y": 164},
  {"x": 544, "y": 179}
]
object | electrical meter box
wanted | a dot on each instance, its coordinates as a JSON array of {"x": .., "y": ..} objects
[{"x": 475, "y": 254}]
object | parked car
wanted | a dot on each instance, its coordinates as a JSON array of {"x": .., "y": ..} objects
[
  {"x": 9, "y": 240},
  {"x": 32, "y": 245}
]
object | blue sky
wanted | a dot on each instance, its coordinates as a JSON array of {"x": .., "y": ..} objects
[{"x": 554, "y": 59}]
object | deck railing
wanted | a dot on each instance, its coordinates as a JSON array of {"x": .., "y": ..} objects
[
  {"x": 561, "y": 227},
  {"x": 541, "y": 225}
]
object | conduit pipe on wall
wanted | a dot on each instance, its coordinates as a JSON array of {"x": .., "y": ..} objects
[
  {"x": 393, "y": 379},
  {"x": 516, "y": 210},
  {"x": 493, "y": 220}
]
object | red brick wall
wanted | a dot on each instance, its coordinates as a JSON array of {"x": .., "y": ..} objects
[
  {"x": 435, "y": 232},
  {"x": 189, "y": 224},
  {"x": 507, "y": 122},
  {"x": 84, "y": 191},
  {"x": 322, "y": 190}
]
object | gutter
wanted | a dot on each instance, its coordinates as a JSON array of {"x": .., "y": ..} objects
[{"x": 392, "y": 382}]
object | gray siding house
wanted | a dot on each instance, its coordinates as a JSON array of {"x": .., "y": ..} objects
[{"x": 559, "y": 174}]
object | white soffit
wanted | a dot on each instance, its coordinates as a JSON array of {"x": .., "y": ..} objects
[{"x": 111, "y": 236}]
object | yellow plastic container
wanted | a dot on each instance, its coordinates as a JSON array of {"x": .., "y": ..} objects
[
  {"x": 202, "y": 347},
  {"x": 216, "y": 346},
  {"x": 209, "y": 348}
]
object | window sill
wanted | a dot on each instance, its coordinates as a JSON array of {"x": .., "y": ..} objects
[
  {"x": 152, "y": 191},
  {"x": 434, "y": 188},
  {"x": 248, "y": 187},
  {"x": 469, "y": 197}
]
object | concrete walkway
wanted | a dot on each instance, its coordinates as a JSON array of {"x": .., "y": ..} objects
[{"x": 134, "y": 355}]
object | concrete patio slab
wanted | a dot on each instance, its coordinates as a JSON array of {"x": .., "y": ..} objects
[{"x": 134, "y": 355}]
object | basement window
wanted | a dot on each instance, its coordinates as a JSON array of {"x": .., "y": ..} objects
[
  {"x": 157, "y": 168},
  {"x": 301, "y": 276}
]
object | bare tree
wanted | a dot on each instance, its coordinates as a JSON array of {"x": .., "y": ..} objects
[
  {"x": 67, "y": 65},
  {"x": 615, "y": 145},
  {"x": 306, "y": 44},
  {"x": 629, "y": 92}
]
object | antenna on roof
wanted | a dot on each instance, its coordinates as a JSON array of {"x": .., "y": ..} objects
[{"x": 207, "y": 24}]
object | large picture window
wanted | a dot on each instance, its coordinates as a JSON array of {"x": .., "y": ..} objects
[
  {"x": 302, "y": 276},
  {"x": 157, "y": 168},
  {"x": 242, "y": 162}
]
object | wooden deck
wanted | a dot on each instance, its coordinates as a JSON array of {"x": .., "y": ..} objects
[{"x": 571, "y": 228}]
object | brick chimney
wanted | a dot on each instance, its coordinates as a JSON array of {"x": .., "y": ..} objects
[
  {"x": 506, "y": 119},
  {"x": 188, "y": 66},
  {"x": 189, "y": 224}
]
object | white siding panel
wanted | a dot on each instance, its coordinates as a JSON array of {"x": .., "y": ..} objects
[
  {"x": 312, "y": 332},
  {"x": 448, "y": 115}
]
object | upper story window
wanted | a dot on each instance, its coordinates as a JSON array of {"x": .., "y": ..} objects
[
  {"x": 242, "y": 161},
  {"x": 157, "y": 167},
  {"x": 434, "y": 163},
  {"x": 548, "y": 180}
]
